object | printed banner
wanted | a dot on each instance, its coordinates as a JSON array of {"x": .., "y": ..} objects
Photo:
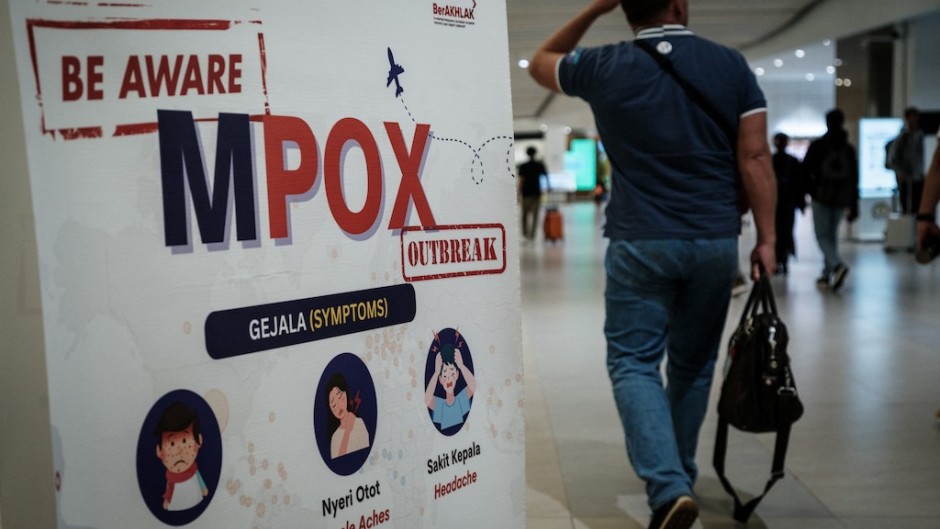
[{"x": 277, "y": 259}]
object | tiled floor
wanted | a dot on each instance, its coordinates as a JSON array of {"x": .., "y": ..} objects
[{"x": 865, "y": 455}]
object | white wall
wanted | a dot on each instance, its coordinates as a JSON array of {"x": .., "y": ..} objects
[
  {"x": 26, "y": 475},
  {"x": 797, "y": 107},
  {"x": 924, "y": 50}
]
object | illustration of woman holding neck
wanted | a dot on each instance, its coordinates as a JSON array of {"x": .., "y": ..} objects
[{"x": 348, "y": 433}]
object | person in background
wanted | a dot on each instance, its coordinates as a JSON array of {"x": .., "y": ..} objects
[
  {"x": 906, "y": 158},
  {"x": 832, "y": 168},
  {"x": 790, "y": 197},
  {"x": 530, "y": 175},
  {"x": 928, "y": 234},
  {"x": 672, "y": 221}
]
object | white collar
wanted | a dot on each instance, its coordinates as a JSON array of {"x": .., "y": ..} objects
[{"x": 663, "y": 31}]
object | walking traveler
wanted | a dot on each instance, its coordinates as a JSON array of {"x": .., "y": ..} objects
[
  {"x": 672, "y": 220},
  {"x": 832, "y": 167},
  {"x": 906, "y": 158},
  {"x": 791, "y": 196},
  {"x": 530, "y": 174}
]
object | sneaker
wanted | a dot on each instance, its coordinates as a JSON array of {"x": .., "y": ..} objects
[
  {"x": 739, "y": 285},
  {"x": 838, "y": 276},
  {"x": 680, "y": 513},
  {"x": 822, "y": 281}
]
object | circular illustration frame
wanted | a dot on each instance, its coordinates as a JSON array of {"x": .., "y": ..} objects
[
  {"x": 359, "y": 384},
  {"x": 456, "y": 339},
  {"x": 151, "y": 474}
]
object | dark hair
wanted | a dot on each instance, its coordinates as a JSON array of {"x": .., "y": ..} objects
[
  {"x": 531, "y": 151},
  {"x": 835, "y": 118},
  {"x": 447, "y": 353},
  {"x": 911, "y": 110},
  {"x": 176, "y": 417},
  {"x": 781, "y": 136},
  {"x": 336, "y": 380},
  {"x": 643, "y": 11}
]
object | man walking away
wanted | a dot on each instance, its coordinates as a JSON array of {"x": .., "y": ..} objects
[
  {"x": 832, "y": 166},
  {"x": 530, "y": 174},
  {"x": 672, "y": 221},
  {"x": 906, "y": 158}
]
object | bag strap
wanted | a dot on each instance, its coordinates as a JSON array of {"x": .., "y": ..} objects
[
  {"x": 691, "y": 92},
  {"x": 743, "y": 511},
  {"x": 761, "y": 297}
]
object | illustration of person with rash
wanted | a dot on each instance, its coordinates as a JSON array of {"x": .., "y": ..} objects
[
  {"x": 178, "y": 444},
  {"x": 348, "y": 433},
  {"x": 448, "y": 368}
]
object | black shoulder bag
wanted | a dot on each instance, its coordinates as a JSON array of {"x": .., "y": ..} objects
[
  {"x": 758, "y": 394},
  {"x": 705, "y": 105}
]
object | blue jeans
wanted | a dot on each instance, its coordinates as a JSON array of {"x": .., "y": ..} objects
[
  {"x": 665, "y": 297},
  {"x": 826, "y": 221}
]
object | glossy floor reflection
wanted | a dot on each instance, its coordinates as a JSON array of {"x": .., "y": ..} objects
[{"x": 865, "y": 455}]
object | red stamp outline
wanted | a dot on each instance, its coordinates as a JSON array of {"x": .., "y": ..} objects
[
  {"x": 404, "y": 259},
  {"x": 139, "y": 25}
]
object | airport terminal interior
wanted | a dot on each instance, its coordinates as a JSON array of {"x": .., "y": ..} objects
[
  {"x": 865, "y": 455},
  {"x": 866, "y": 359}
]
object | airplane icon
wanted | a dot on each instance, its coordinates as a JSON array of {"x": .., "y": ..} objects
[{"x": 394, "y": 71}]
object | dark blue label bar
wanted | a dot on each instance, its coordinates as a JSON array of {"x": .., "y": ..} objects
[{"x": 246, "y": 330}]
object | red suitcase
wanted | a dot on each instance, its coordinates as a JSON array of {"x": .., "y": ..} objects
[{"x": 553, "y": 225}]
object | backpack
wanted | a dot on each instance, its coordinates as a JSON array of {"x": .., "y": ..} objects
[
  {"x": 835, "y": 179},
  {"x": 888, "y": 153},
  {"x": 836, "y": 166}
]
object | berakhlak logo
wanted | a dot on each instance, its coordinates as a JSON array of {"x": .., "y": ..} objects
[{"x": 455, "y": 13}]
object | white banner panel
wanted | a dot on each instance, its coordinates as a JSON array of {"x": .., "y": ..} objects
[{"x": 277, "y": 257}]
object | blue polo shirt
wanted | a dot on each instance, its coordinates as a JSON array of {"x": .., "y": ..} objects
[{"x": 673, "y": 168}]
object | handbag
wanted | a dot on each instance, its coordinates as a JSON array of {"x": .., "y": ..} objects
[{"x": 758, "y": 394}]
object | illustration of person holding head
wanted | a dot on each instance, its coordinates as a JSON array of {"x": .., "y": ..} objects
[
  {"x": 448, "y": 367},
  {"x": 178, "y": 444},
  {"x": 348, "y": 433}
]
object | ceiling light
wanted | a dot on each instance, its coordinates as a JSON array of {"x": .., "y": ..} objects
[
  {"x": 523, "y": 63},
  {"x": 759, "y": 71},
  {"x": 847, "y": 83},
  {"x": 839, "y": 81},
  {"x": 799, "y": 54},
  {"x": 778, "y": 62},
  {"x": 827, "y": 42},
  {"x": 830, "y": 70},
  {"x": 837, "y": 62},
  {"x": 810, "y": 77}
]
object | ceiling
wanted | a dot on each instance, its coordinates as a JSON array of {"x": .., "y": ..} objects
[{"x": 735, "y": 23}]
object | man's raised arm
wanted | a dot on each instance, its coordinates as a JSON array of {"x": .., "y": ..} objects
[{"x": 544, "y": 62}]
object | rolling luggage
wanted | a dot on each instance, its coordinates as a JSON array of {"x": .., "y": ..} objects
[
  {"x": 900, "y": 233},
  {"x": 553, "y": 225}
]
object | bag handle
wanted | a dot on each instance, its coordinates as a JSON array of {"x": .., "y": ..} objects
[{"x": 762, "y": 297}]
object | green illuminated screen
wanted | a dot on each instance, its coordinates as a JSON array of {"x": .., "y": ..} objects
[{"x": 581, "y": 160}]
